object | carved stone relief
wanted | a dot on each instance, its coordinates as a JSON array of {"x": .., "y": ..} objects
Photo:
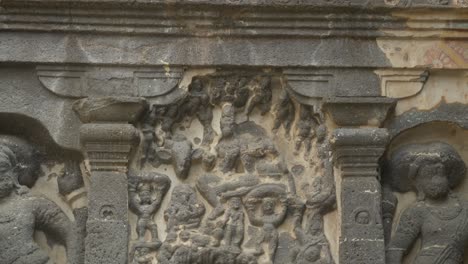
[
  {"x": 237, "y": 196},
  {"x": 438, "y": 217},
  {"x": 23, "y": 213}
]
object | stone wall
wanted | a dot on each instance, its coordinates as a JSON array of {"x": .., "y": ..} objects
[{"x": 233, "y": 131}]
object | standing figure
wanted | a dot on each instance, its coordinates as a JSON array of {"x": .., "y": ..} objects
[
  {"x": 21, "y": 214},
  {"x": 146, "y": 193},
  {"x": 234, "y": 224},
  {"x": 284, "y": 113},
  {"x": 269, "y": 219},
  {"x": 439, "y": 217},
  {"x": 305, "y": 130},
  {"x": 228, "y": 148}
]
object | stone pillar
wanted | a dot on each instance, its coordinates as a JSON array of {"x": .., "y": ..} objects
[
  {"x": 108, "y": 140},
  {"x": 358, "y": 145}
]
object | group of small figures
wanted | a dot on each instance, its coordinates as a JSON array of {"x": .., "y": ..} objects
[{"x": 219, "y": 239}]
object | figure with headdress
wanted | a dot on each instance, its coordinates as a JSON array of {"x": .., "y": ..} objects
[
  {"x": 439, "y": 217},
  {"x": 21, "y": 214}
]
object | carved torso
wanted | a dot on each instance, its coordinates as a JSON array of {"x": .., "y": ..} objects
[{"x": 19, "y": 218}]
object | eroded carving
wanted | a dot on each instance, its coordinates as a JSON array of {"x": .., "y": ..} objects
[
  {"x": 248, "y": 186},
  {"x": 439, "y": 217},
  {"x": 22, "y": 213}
]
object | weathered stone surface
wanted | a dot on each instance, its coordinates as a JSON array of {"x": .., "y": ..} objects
[{"x": 233, "y": 131}]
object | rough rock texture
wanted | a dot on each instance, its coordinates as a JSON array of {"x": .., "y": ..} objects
[{"x": 233, "y": 131}]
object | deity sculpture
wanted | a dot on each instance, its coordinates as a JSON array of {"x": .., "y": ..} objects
[
  {"x": 439, "y": 217},
  {"x": 21, "y": 213},
  {"x": 146, "y": 192}
]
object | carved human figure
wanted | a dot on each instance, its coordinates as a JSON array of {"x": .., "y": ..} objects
[
  {"x": 184, "y": 211},
  {"x": 143, "y": 256},
  {"x": 312, "y": 246},
  {"x": 262, "y": 95},
  {"x": 234, "y": 224},
  {"x": 268, "y": 218},
  {"x": 184, "y": 253},
  {"x": 257, "y": 150},
  {"x": 284, "y": 113},
  {"x": 198, "y": 103},
  {"x": 439, "y": 217},
  {"x": 146, "y": 192},
  {"x": 305, "y": 130},
  {"x": 162, "y": 117},
  {"x": 228, "y": 148},
  {"x": 213, "y": 189},
  {"x": 167, "y": 248},
  {"x": 21, "y": 214}
]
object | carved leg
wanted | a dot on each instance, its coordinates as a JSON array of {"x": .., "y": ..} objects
[
  {"x": 141, "y": 229},
  {"x": 154, "y": 233},
  {"x": 238, "y": 235},
  {"x": 206, "y": 117},
  {"x": 272, "y": 245}
]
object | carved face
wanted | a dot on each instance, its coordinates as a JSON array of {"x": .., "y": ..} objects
[
  {"x": 145, "y": 197},
  {"x": 432, "y": 181},
  {"x": 6, "y": 185},
  {"x": 143, "y": 251},
  {"x": 184, "y": 236},
  {"x": 268, "y": 206},
  {"x": 235, "y": 203}
]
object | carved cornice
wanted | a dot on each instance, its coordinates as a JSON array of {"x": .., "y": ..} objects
[
  {"x": 78, "y": 82},
  {"x": 348, "y": 4},
  {"x": 231, "y": 18}
]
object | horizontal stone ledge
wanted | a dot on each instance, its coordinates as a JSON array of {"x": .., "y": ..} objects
[{"x": 347, "y": 4}]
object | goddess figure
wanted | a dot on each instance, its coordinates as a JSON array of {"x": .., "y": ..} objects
[{"x": 439, "y": 217}]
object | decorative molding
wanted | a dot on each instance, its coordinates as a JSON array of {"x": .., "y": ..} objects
[
  {"x": 78, "y": 82},
  {"x": 401, "y": 84},
  {"x": 230, "y": 19}
]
